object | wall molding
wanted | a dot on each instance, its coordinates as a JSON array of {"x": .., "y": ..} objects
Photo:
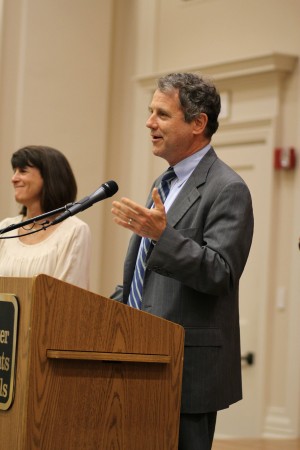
[
  {"x": 278, "y": 424},
  {"x": 273, "y": 63}
]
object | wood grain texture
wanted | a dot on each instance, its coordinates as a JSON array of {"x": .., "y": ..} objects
[
  {"x": 101, "y": 356},
  {"x": 97, "y": 404}
]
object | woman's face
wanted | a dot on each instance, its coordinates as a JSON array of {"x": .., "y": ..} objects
[{"x": 28, "y": 185}]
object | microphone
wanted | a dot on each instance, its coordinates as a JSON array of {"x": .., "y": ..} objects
[{"x": 107, "y": 189}]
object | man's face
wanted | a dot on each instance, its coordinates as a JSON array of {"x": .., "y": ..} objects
[{"x": 173, "y": 139}]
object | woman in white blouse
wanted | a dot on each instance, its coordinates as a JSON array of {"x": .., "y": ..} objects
[{"x": 44, "y": 181}]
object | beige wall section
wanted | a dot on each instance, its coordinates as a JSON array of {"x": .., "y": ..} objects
[
  {"x": 79, "y": 74},
  {"x": 55, "y": 78},
  {"x": 190, "y": 32},
  {"x": 119, "y": 138}
]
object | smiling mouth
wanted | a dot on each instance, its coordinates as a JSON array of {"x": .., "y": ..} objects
[{"x": 156, "y": 138}]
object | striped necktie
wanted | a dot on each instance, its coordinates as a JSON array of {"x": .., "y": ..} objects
[{"x": 136, "y": 290}]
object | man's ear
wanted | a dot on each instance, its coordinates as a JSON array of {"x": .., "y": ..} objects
[{"x": 200, "y": 123}]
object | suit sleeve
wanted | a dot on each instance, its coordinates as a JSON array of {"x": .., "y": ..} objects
[
  {"x": 117, "y": 294},
  {"x": 209, "y": 255}
]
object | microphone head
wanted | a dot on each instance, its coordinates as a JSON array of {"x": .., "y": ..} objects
[{"x": 110, "y": 188}]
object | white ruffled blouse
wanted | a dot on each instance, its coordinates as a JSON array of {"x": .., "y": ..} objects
[{"x": 65, "y": 254}]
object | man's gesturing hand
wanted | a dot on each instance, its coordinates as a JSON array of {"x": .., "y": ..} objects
[{"x": 145, "y": 222}]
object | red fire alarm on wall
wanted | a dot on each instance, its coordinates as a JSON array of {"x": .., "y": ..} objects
[{"x": 284, "y": 159}]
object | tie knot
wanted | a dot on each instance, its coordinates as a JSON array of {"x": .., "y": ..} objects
[{"x": 169, "y": 175}]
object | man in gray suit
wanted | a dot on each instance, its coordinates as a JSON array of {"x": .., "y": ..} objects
[{"x": 196, "y": 244}]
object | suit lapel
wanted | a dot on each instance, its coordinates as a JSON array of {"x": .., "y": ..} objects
[{"x": 192, "y": 189}]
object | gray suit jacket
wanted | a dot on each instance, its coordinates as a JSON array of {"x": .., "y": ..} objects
[{"x": 192, "y": 278}]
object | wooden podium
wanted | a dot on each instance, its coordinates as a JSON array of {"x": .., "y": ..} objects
[{"x": 91, "y": 373}]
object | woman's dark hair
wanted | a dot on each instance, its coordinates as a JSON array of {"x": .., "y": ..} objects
[
  {"x": 59, "y": 187},
  {"x": 196, "y": 96}
]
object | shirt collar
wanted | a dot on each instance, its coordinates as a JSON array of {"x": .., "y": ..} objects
[{"x": 184, "y": 168}]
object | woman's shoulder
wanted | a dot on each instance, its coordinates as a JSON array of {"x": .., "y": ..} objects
[
  {"x": 72, "y": 230},
  {"x": 74, "y": 225},
  {"x": 76, "y": 222},
  {"x": 9, "y": 221}
]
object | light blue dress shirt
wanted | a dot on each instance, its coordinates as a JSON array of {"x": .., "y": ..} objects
[{"x": 183, "y": 171}]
